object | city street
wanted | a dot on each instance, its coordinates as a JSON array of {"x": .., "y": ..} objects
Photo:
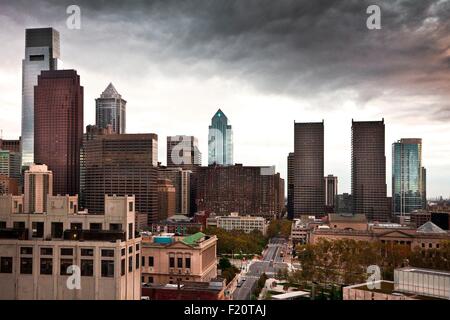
[{"x": 270, "y": 263}]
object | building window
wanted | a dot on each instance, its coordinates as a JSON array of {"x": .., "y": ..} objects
[
  {"x": 130, "y": 249},
  {"x": 76, "y": 226},
  {"x": 2, "y": 224},
  {"x": 107, "y": 253},
  {"x": 122, "y": 251},
  {"x": 87, "y": 267},
  {"x": 130, "y": 231},
  {"x": 143, "y": 261},
  {"x": 107, "y": 268},
  {"x": 130, "y": 264},
  {"x": 423, "y": 245},
  {"x": 26, "y": 265},
  {"x": 150, "y": 279},
  {"x": 171, "y": 262},
  {"x": 130, "y": 206},
  {"x": 137, "y": 246},
  {"x": 137, "y": 261},
  {"x": 38, "y": 229},
  {"x": 6, "y": 265},
  {"x": 115, "y": 227},
  {"x": 46, "y": 251},
  {"x": 122, "y": 267},
  {"x": 64, "y": 265},
  {"x": 150, "y": 261},
  {"x": 180, "y": 262},
  {"x": 67, "y": 251},
  {"x": 87, "y": 252},
  {"x": 26, "y": 250},
  {"x": 188, "y": 263},
  {"x": 95, "y": 226},
  {"x": 430, "y": 245},
  {"x": 57, "y": 229},
  {"x": 19, "y": 225},
  {"x": 46, "y": 266},
  {"x": 143, "y": 279}
]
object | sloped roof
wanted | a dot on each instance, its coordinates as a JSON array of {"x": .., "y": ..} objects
[
  {"x": 430, "y": 227},
  {"x": 193, "y": 239},
  {"x": 110, "y": 92}
]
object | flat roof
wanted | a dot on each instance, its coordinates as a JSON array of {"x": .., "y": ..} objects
[{"x": 292, "y": 294}]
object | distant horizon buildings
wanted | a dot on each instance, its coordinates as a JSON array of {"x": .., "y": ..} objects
[
  {"x": 110, "y": 109},
  {"x": 369, "y": 170},
  {"x": 58, "y": 127},
  {"x": 308, "y": 169},
  {"x": 220, "y": 140},
  {"x": 42, "y": 51},
  {"x": 408, "y": 176}
]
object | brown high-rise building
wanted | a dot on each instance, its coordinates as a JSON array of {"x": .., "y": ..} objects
[
  {"x": 290, "y": 185},
  {"x": 58, "y": 127},
  {"x": 166, "y": 199},
  {"x": 369, "y": 170},
  {"x": 121, "y": 164},
  {"x": 181, "y": 180},
  {"x": 331, "y": 190},
  {"x": 11, "y": 145},
  {"x": 183, "y": 152},
  {"x": 246, "y": 190},
  {"x": 309, "y": 189}
]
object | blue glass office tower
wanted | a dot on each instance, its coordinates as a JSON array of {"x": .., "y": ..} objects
[
  {"x": 41, "y": 53},
  {"x": 220, "y": 140},
  {"x": 408, "y": 176}
]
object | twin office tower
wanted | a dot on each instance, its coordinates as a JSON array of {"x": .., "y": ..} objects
[
  {"x": 42, "y": 54},
  {"x": 306, "y": 189}
]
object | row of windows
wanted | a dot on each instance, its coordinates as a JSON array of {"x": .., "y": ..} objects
[
  {"x": 86, "y": 266},
  {"x": 151, "y": 262},
  {"x": 85, "y": 252}
]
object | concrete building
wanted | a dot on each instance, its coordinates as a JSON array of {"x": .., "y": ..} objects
[
  {"x": 41, "y": 53},
  {"x": 121, "y": 164},
  {"x": 181, "y": 180},
  {"x": 409, "y": 284},
  {"x": 309, "y": 189},
  {"x": 110, "y": 110},
  {"x": 236, "y": 222},
  {"x": 8, "y": 185},
  {"x": 36, "y": 251},
  {"x": 244, "y": 189},
  {"x": 166, "y": 199},
  {"x": 38, "y": 185},
  {"x": 58, "y": 127},
  {"x": 170, "y": 259},
  {"x": 212, "y": 290}
]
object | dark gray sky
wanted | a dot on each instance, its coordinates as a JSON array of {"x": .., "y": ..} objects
[{"x": 265, "y": 63}]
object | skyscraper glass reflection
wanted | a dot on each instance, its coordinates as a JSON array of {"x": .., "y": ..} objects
[
  {"x": 220, "y": 140},
  {"x": 408, "y": 180},
  {"x": 41, "y": 53}
]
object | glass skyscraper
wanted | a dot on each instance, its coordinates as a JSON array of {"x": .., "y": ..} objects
[
  {"x": 110, "y": 110},
  {"x": 408, "y": 176},
  {"x": 220, "y": 140},
  {"x": 41, "y": 53}
]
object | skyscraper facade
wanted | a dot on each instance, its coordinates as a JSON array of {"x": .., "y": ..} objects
[
  {"x": 41, "y": 53},
  {"x": 122, "y": 164},
  {"x": 308, "y": 168},
  {"x": 110, "y": 109},
  {"x": 220, "y": 140},
  {"x": 331, "y": 190},
  {"x": 181, "y": 180},
  {"x": 369, "y": 170},
  {"x": 183, "y": 152},
  {"x": 58, "y": 127},
  {"x": 408, "y": 181},
  {"x": 290, "y": 185}
]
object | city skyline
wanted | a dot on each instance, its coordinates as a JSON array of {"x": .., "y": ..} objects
[{"x": 217, "y": 83}]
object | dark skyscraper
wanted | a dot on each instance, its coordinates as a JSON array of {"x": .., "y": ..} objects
[
  {"x": 309, "y": 189},
  {"x": 331, "y": 189},
  {"x": 290, "y": 185},
  {"x": 110, "y": 109},
  {"x": 369, "y": 170},
  {"x": 41, "y": 53},
  {"x": 121, "y": 164},
  {"x": 58, "y": 127},
  {"x": 220, "y": 140}
]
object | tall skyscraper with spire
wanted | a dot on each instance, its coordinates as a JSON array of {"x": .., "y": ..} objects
[
  {"x": 41, "y": 53},
  {"x": 110, "y": 109},
  {"x": 220, "y": 140}
]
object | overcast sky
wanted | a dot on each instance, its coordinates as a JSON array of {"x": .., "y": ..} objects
[{"x": 265, "y": 63}]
